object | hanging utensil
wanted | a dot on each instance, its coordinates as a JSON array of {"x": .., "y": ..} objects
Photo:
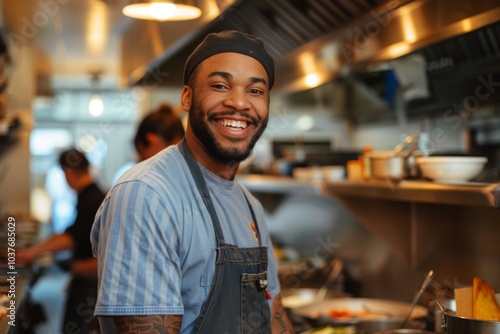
[
  {"x": 408, "y": 145},
  {"x": 334, "y": 273},
  {"x": 426, "y": 282}
]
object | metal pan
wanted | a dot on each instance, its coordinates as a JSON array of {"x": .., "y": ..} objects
[{"x": 349, "y": 311}]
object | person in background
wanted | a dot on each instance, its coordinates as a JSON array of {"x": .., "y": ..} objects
[
  {"x": 156, "y": 131},
  {"x": 182, "y": 246},
  {"x": 82, "y": 290}
]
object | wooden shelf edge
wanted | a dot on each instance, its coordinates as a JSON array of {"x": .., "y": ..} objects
[{"x": 475, "y": 194}]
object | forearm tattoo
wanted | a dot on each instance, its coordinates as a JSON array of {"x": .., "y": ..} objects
[
  {"x": 282, "y": 322},
  {"x": 148, "y": 324}
]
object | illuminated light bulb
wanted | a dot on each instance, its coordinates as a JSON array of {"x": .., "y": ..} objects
[
  {"x": 312, "y": 80},
  {"x": 96, "y": 106},
  {"x": 305, "y": 123},
  {"x": 161, "y": 11}
]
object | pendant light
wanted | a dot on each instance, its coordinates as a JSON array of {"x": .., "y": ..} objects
[
  {"x": 96, "y": 105},
  {"x": 161, "y": 10}
]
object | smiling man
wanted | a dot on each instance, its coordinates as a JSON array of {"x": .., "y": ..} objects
[{"x": 182, "y": 246}]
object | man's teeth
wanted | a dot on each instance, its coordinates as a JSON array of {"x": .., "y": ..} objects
[{"x": 233, "y": 124}]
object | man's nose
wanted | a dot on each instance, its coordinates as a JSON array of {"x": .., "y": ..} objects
[{"x": 237, "y": 99}]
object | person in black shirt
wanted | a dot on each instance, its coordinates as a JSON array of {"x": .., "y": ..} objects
[{"x": 82, "y": 290}]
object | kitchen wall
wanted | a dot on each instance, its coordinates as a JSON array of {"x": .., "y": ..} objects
[
  {"x": 443, "y": 136},
  {"x": 319, "y": 121}
]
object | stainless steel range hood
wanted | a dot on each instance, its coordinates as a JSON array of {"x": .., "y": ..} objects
[
  {"x": 332, "y": 38},
  {"x": 396, "y": 30},
  {"x": 458, "y": 43},
  {"x": 284, "y": 25}
]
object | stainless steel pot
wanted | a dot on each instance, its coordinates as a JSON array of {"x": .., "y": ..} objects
[
  {"x": 386, "y": 164},
  {"x": 451, "y": 324},
  {"x": 398, "y": 163},
  {"x": 438, "y": 306}
]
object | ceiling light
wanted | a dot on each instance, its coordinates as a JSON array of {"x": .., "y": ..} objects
[
  {"x": 97, "y": 27},
  {"x": 305, "y": 123},
  {"x": 312, "y": 80},
  {"x": 161, "y": 10},
  {"x": 96, "y": 106}
]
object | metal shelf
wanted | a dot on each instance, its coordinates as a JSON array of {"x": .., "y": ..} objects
[{"x": 470, "y": 193}]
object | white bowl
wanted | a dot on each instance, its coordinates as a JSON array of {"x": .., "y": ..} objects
[{"x": 451, "y": 169}]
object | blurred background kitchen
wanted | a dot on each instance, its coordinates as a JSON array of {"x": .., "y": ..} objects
[{"x": 352, "y": 77}]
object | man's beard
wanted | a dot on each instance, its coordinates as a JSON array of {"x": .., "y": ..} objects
[{"x": 232, "y": 155}]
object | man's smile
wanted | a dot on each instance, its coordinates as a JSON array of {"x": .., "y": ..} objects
[{"x": 232, "y": 123}]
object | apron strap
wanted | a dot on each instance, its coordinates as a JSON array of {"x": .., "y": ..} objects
[{"x": 199, "y": 180}]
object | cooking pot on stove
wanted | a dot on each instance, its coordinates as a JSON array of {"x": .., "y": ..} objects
[{"x": 452, "y": 324}]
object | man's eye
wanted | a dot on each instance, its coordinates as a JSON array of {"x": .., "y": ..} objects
[
  {"x": 219, "y": 86},
  {"x": 256, "y": 91}
]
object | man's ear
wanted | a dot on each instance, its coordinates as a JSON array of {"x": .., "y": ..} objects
[{"x": 186, "y": 98}]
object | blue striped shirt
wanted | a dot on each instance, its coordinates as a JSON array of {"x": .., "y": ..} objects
[{"x": 155, "y": 243}]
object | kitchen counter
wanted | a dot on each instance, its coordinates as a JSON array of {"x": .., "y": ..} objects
[{"x": 414, "y": 217}]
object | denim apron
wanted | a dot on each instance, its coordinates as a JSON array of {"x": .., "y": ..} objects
[{"x": 237, "y": 302}]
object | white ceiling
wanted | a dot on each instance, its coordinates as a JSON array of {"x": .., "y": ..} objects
[{"x": 73, "y": 38}]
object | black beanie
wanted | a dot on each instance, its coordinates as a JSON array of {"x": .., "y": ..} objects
[{"x": 230, "y": 41}]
